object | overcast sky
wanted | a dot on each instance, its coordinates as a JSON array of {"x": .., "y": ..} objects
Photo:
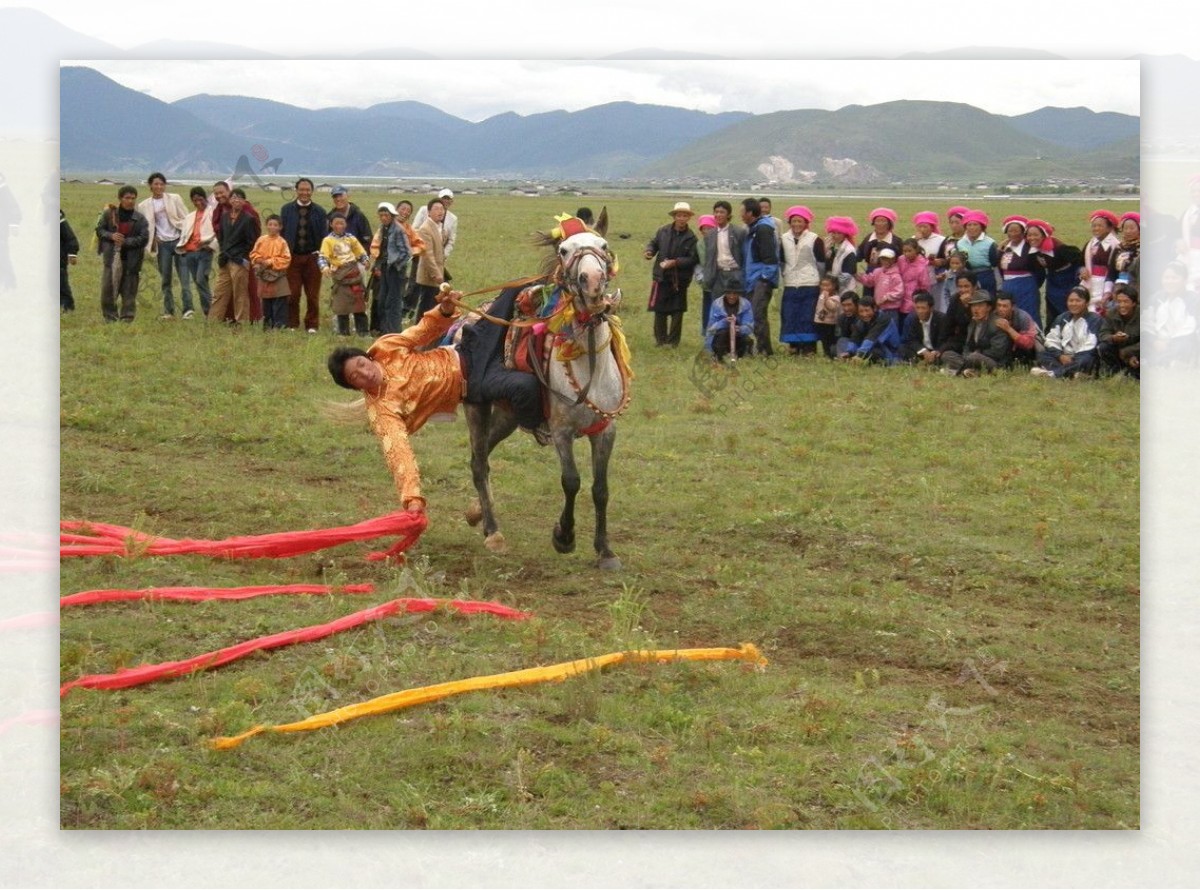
[{"x": 478, "y": 89}]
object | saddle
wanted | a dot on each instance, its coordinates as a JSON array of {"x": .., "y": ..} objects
[{"x": 525, "y": 345}]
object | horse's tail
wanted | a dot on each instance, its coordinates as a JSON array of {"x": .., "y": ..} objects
[{"x": 347, "y": 413}]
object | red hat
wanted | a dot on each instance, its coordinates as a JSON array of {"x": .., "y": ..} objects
[
  {"x": 960, "y": 212},
  {"x": 1046, "y": 229},
  {"x": 570, "y": 226},
  {"x": 707, "y": 220},
  {"x": 976, "y": 216},
  {"x": 843, "y": 224},
  {"x": 1015, "y": 218},
  {"x": 886, "y": 212},
  {"x": 1136, "y": 217},
  {"x": 928, "y": 217},
  {"x": 1105, "y": 215},
  {"x": 798, "y": 210}
]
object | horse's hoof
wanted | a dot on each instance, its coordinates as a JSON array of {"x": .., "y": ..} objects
[
  {"x": 561, "y": 544},
  {"x": 609, "y": 564},
  {"x": 474, "y": 513},
  {"x": 495, "y": 542}
]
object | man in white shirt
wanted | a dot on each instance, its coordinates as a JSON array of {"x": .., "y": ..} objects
[
  {"x": 449, "y": 224},
  {"x": 165, "y": 212}
]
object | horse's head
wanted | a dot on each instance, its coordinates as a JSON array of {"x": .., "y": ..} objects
[
  {"x": 583, "y": 263},
  {"x": 587, "y": 265}
]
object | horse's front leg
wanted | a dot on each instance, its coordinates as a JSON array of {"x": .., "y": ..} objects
[
  {"x": 479, "y": 422},
  {"x": 602, "y": 446},
  {"x": 564, "y": 531}
]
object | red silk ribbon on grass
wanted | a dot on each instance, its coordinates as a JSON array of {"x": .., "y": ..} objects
[
  {"x": 148, "y": 673},
  {"x": 201, "y": 594},
  {"x": 78, "y": 538}
]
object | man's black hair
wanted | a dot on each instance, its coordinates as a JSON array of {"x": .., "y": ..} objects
[
  {"x": 126, "y": 190},
  {"x": 240, "y": 192},
  {"x": 751, "y": 206},
  {"x": 337, "y": 363},
  {"x": 728, "y": 207},
  {"x": 198, "y": 192},
  {"x": 153, "y": 176},
  {"x": 923, "y": 296},
  {"x": 304, "y": 179}
]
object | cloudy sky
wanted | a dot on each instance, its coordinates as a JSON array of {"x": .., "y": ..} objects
[{"x": 478, "y": 89}]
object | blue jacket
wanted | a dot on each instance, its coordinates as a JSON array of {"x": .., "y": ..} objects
[
  {"x": 761, "y": 257},
  {"x": 717, "y": 323},
  {"x": 398, "y": 250},
  {"x": 289, "y": 216},
  {"x": 881, "y": 337}
]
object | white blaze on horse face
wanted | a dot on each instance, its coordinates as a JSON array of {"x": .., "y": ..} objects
[{"x": 585, "y": 260}]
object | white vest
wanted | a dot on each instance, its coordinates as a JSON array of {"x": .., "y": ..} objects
[{"x": 799, "y": 268}]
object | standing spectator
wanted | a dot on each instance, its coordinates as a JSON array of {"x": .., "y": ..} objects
[
  {"x": 1021, "y": 272},
  {"x": 843, "y": 256},
  {"x": 923, "y": 333},
  {"x": 68, "y": 255},
  {"x": 1062, "y": 264},
  {"x": 760, "y": 262},
  {"x": 985, "y": 348},
  {"x": 1072, "y": 341},
  {"x": 270, "y": 260},
  {"x": 731, "y": 318},
  {"x": 983, "y": 255},
  {"x": 1020, "y": 327},
  {"x": 416, "y": 246},
  {"x": 122, "y": 234},
  {"x": 164, "y": 211},
  {"x": 706, "y": 224},
  {"x": 390, "y": 254},
  {"x": 945, "y": 292},
  {"x": 304, "y": 228},
  {"x": 197, "y": 245},
  {"x": 236, "y": 233},
  {"x": 914, "y": 272},
  {"x": 448, "y": 225},
  {"x": 674, "y": 254},
  {"x": 343, "y": 260},
  {"x": 357, "y": 223},
  {"x": 1098, "y": 255},
  {"x": 764, "y": 205},
  {"x": 1121, "y": 335},
  {"x": 803, "y": 264},
  {"x": 882, "y": 235},
  {"x": 1124, "y": 266},
  {"x": 884, "y": 281},
  {"x": 221, "y": 202},
  {"x": 723, "y": 250},
  {"x": 431, "y": 268}
]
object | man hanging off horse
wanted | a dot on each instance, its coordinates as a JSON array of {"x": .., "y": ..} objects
[{"x": 404, "y": 384}]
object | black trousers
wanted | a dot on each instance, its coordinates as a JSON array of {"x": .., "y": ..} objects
[
  {"x": 487, "y": 379},
  {"x": 668, "y": 327}
]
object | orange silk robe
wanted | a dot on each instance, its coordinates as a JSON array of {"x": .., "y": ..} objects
[{"x": 416, "y": 386}]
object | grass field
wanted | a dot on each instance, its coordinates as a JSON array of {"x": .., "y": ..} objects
[{"x": 943, "y": 574}]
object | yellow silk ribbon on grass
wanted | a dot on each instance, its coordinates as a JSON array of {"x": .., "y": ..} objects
[{"x": 555, "y": 672}]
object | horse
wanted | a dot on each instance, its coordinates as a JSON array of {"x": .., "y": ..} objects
[{"x": 587, "y": 379}]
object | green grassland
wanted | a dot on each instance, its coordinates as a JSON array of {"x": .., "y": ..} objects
[{"x": 942, "y": 572}]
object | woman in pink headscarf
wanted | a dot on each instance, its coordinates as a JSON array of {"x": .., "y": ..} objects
[
  {"x": 931, "y": 241},
  {"x": 843, "y": 257},
  {"x": 1021, "y": 272},
  {"x": 1098, "y": 255},
  {"x": 1062, "y": 263},
  {"x": 882, "y": 235},
  {"x": 983, "y": 255},
  {"x": 801, "y": 267},
  {"x": 1124, "y": 266}
]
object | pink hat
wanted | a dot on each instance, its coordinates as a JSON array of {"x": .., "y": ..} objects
[
  {"x": 798, "y": 210},
  {"x": 1105, "y": 215},
  {"x": 1016, "y": 218},
  {"x": 707, "y": 220},
  {"x": 960, "y": 212},
  {"x": 1136, "y": 217},
  {"x": 886, "y": 212},
  {"x": 975, "y": 216},
  {"x": 928, "y": 217},
  {"x": 842, "y": 224},
  {"x": 1045, "y": 228}
]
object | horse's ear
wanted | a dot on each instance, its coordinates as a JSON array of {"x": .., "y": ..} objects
[{"x": 601, "y": 225}]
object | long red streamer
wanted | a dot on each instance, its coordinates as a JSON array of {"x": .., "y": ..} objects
[
  {"x": 200, "y": 594},
  {"x": 102, "y": 539},
  {"x": 147, "y": 673}
]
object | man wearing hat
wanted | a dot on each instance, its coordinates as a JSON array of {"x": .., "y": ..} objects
[
  {"x": 673, "y": 250},
  {"x": 986, "y": 347},
  {"x": 304, "y": 228}
]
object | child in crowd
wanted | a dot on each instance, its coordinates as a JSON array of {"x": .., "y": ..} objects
[
  {"x": 269, "y": 260},
  {"x": 343, "y": 260},
  {"x": 915, "y": 272},
  {"x": 826, "y": 317},
  {"x": 885, "y": 282}
]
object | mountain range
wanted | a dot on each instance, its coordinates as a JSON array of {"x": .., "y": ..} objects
[{"x": 107, "y": 127}]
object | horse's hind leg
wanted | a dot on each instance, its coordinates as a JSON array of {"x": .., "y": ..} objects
[
  {"x": 602, "y": 446},
  {"x": 488, "y": 428},
  {"x": 564, "y": 530}
]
